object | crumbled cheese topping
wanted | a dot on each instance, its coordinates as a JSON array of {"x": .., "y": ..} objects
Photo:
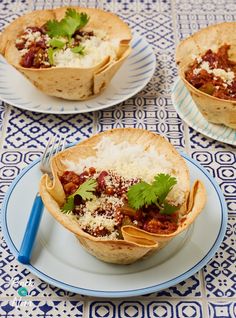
[
  {"x": 197, "y": 57},
  {"x": 91, "y": 220},
  {"x": 96, "y": 221},
  {"x": 226, "y": 76},
  {"x": 23, "y": 52},
  {"x": 29, "y": 39}
]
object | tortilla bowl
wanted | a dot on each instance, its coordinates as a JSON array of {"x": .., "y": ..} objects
[
  {"x": 215, "y": 110},
  {"x": 134, "y": 243},
  {"x": 72, "y": 83}
]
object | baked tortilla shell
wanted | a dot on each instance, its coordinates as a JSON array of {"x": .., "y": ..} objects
[
  {"x": 136, "y": 243},
  {"x": 72, "y": 83},
  {"x": 111, "y": 251},
  {"x": 215, "y": 110}
]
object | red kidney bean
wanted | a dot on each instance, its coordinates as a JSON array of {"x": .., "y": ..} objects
[
  {"x": 41, "y": 43},
  {"x": 20, "y": 45},
  {"x": 70, "y": 176},
  {"x": 83, "y": 177},
  {"x": 101, "y": 180},
  {"x": 28, "y": 59}
]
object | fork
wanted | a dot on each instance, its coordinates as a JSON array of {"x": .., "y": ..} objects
[{"x": 55, "y": 144}]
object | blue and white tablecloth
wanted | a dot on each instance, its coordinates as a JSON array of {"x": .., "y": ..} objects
[{"x": 210, "y": 293}]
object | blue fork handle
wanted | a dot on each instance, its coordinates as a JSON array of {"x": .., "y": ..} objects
[{"x": 31, "y": 231}]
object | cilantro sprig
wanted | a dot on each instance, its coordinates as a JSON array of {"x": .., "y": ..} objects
[
  {"x": 85, "y": 190},
  {"x": 78, "y": 49},
  {"x": 143, "y": 194},
  {"x": 50, "y": 52},
  {"x": 57, "y": 43},
  {"x": 66, "y": 27},
  {"x": 61, "y": 32}
]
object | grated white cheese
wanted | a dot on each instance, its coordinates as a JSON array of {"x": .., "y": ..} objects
[
  {"x": 226, "y": 76},
  {"x": 94, "y": 221},
  {"x": 88, "y": 220},
  {"x": 131, "y": 161},
  {"x": 91, "y": 220},
  {"x": 31, "y": 37},
  {"x": 23, "y": 52},
  {"x": 197, "y": 57}
]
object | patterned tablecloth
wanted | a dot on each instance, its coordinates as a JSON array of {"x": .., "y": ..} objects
[{"x": 209, "y": 293}]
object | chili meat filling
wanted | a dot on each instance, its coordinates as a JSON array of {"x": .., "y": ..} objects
[
  {"x": 65, "y": 43},
  {"x": 34, "y": 43},
  {"x": 109, "y": 210},
  {"x": 214, "y": 74}
]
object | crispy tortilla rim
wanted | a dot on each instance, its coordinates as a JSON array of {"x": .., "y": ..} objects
[
  {"x": 136, "y": 243},
  {"x": 72, "y": 83},
  {"x": 215, "y": 110}
]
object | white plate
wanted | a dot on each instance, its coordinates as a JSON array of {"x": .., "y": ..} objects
[
  {"x": 59, "y": 259},
  {"x": 134, "y": 74},
  {"x": 188, "y": 111}
]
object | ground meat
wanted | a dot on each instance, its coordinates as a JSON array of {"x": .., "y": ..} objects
[
  {"x": 151, "y": 220},
  {"x": 97, "y": 232},
  {"x": 71, "y": 181},
  {"x": 111, "y": 192},
  {"x": 157, "y": 227},
  {"x": 208, "y": 82}
]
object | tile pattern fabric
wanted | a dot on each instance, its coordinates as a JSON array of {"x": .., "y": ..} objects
[{"x": 210, "y": 293}]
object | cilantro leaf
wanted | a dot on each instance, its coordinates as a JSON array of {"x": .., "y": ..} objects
[
  {"x": 69, "y": 205},
  {"x": 69, "y": 26},
  {"x": 143, "y": 193},
  {"x": 84, "y": 19},
  {"x": 81, "y": 18},
  {"x": 50, "y": 52},
  {"x": 168, "y": 208},
  {"x": 56, "y": 43},
  {"x": 66, "y": 27},
  {"x": 78, "y": 49},
  {"x": 163, "y": 184},
  {"x": 54, "y": 28},
  {"x": 85, "y": 190}
]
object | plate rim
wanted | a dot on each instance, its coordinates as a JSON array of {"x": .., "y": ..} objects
[
  {"x": 135, "y": 38},
  {"x": 192, "y": 125},
  {"x": 125, "y": 293}
]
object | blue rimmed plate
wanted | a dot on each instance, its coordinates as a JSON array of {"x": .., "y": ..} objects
[
  {"x": 188, "y": 111},
  {"x": 132, "y": 77},
  {"x": 77, "y": 271}
]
